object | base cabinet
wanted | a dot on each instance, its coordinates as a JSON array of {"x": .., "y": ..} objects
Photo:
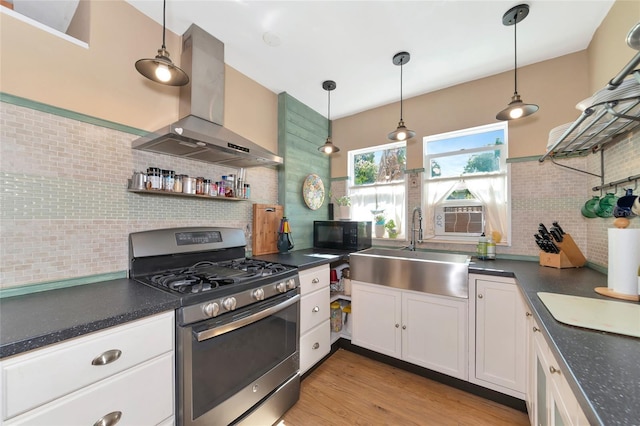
[
  {"x": 315, "y": 331},
  {"x": 422, "y": 329},
  {"x": 553, "y": 402},
  {"x": 497, "y": 335},
  {"x": 95, "y": 379}
]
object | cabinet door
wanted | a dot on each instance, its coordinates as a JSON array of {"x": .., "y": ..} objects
[
  {"x": 375, "y": 312},
  {"x": 530, "y": 394},
  {"x": 434, "y": 333},
  {"x": 500, "y": 335}
]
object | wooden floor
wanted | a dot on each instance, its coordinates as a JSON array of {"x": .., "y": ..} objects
[{"x": 349, "y": 389}]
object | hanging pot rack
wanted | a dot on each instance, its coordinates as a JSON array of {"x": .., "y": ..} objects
[{"x": 599, "y": 125}]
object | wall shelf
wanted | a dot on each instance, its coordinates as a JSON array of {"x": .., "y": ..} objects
[{"x": 181, "y": 194}]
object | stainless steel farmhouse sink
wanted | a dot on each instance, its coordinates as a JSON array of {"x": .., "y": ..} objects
[{"x": 436, "y": 273}]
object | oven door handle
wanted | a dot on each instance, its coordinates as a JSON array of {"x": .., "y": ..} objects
[{"x": 217, "y": 331}]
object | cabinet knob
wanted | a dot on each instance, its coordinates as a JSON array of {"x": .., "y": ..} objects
[
  {"x": 107, "y": 357},
  {"x": 316, "y": 345},
  {"x": 404, "y": 327},
  {"x": 536, "y": 329},
  {"x": 480, "y": 296},
  {"x": 315, "y": 281},
  {"x": 528, "y": 314},
  {"x": 397, "y": 325},
  {"x": 552, "y": 369},
  {"x": 316, "y": 309},
  {"x": 109, "y": 419}
]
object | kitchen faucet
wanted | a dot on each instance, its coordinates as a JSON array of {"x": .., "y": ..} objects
[{"x": 412, "y": 244}]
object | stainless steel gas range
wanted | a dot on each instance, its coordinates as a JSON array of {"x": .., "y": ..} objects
[{"x": 237, "y": 330}]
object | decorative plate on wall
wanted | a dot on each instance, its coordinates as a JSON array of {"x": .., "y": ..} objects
[{"x": 313, "y": 191}]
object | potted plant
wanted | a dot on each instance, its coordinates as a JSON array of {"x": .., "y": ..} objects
[
  {"x": 344, "y": 207},
  {"x": 379, "y": 225},
  {"x": 391, "y": 228}
]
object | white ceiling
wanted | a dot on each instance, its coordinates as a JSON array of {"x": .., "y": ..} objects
[{"x": 353, "y": 42}]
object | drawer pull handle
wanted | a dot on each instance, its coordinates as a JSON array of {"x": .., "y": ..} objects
[
  {"x": 315, "y": 281},
  {"x": 316, "y": 345},
  {"x": 316, "y": 309},
  {"x": 107, "y": 358},
  {"x": 552, "y": 369},
  {"x": 109, "y": 419}
]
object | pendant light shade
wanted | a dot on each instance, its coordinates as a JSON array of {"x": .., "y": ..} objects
[
  {"x": 160, "y": 69},
  {"x": 401, "y": 133},
  {"x": 329, "y": 147},
  {"x": 516, "y": 108}
]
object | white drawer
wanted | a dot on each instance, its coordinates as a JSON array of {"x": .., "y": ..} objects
[
  {"x": 144, "y": 396},
  {"x": 314, "y": 345},
  {"x": 40, "y": 376},
  {"x": 314, "y": 279},
  {"x": 314, "y": 308}
]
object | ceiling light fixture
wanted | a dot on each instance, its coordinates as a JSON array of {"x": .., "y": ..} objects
[
  {"x": 329, "y": 147},
  {"x": 160, "y": 69},
  {"x": 516, "y": 108},
  {"x": 401, "y": 133}
]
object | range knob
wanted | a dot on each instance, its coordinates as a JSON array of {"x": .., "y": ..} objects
[
  {"x": 229, "y": 303},
  {"x": 281, "y": 287},
  {"x": 291, "y": 283},
  {"x": 211, "y": 309},
  {"x": 258, "y": 294}
]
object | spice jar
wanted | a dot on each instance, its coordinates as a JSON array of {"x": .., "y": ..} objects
[
  {"x": 154, "y": 179},
  {"x": 177, "y": 184},
  {"x": 336, "y": 317},
  {"x": 213, "y": 190},
  {"x": 188, "y": 185},
  {"x": 199, "y": 186},
  {"x": 168, "y": 180},
  {"x": 207, "y": 187}
]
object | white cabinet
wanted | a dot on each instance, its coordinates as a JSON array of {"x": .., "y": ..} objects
[
  {"x": 553, "y": 401},
  {"x": 419, "y": 328},
  {"x": 315, "y": 331},
  {"x": 107, "y": 373},
  {"x": 497, "y": 335}
]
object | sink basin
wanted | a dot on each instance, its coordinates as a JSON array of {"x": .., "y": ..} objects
[{"x": 428, "y": 272}]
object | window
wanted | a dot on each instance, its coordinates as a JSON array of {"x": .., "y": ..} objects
[
  {"x": 377, "y": 184},
  {"x": 468, "y": 166}
]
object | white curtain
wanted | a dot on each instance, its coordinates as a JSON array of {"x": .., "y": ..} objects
[
  {"x": 388, "y": 197},
  {"x": 491, "y": 191},
  {"x": 435, "y": 192}
]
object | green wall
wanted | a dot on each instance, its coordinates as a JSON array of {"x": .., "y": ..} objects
[{"x": 301, "y": 131}]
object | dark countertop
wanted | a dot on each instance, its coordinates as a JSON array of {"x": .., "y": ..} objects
[
  {"x": 602, "y": 369},
  {"x": 36, "y": 320},
  {"x": 301, "y": 259}
]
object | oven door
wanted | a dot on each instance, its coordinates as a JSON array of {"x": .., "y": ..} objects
[{"x": 230, "y": 364}]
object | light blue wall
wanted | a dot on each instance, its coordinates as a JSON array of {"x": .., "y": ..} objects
[{"x": 301, "y": 131}]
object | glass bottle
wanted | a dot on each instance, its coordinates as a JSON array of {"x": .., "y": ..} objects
[{"x": 336, "y": 317}]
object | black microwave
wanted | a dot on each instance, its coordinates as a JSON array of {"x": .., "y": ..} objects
[{"x": 341, "y": 235}]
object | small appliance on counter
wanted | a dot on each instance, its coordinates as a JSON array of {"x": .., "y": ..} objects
[{"x": 341, "y": 235}]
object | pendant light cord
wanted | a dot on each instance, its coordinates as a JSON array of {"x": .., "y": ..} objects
[
  {"x": 515, "y": 57},
  {"x": 164, "y": 17},
  {"x": 329, "y": 111},
  {"x": 401, "y": 66}
]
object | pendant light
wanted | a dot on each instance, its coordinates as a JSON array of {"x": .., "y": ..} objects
[
  {"x": 516, "y": 108},
  {"x": 401, "y": 133},
  {"x": 160, "y": 69},
  {"x": 329, "y": 147}
]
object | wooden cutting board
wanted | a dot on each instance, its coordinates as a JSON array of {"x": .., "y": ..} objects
[
  {"x": 266, "y": 221},
  {"x": 596, "y": 314}
]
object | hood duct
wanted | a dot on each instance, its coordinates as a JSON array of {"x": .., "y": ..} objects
[{"x": 199, "y": 134}]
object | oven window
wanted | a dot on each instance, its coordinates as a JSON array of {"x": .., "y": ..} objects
[{"x": 225, "y": 364}]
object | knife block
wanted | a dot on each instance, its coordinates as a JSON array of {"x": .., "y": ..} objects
[{"x": 570, "y": 255}]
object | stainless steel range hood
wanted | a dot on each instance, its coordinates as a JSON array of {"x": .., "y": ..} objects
[{"x": 199, "y": 134}]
